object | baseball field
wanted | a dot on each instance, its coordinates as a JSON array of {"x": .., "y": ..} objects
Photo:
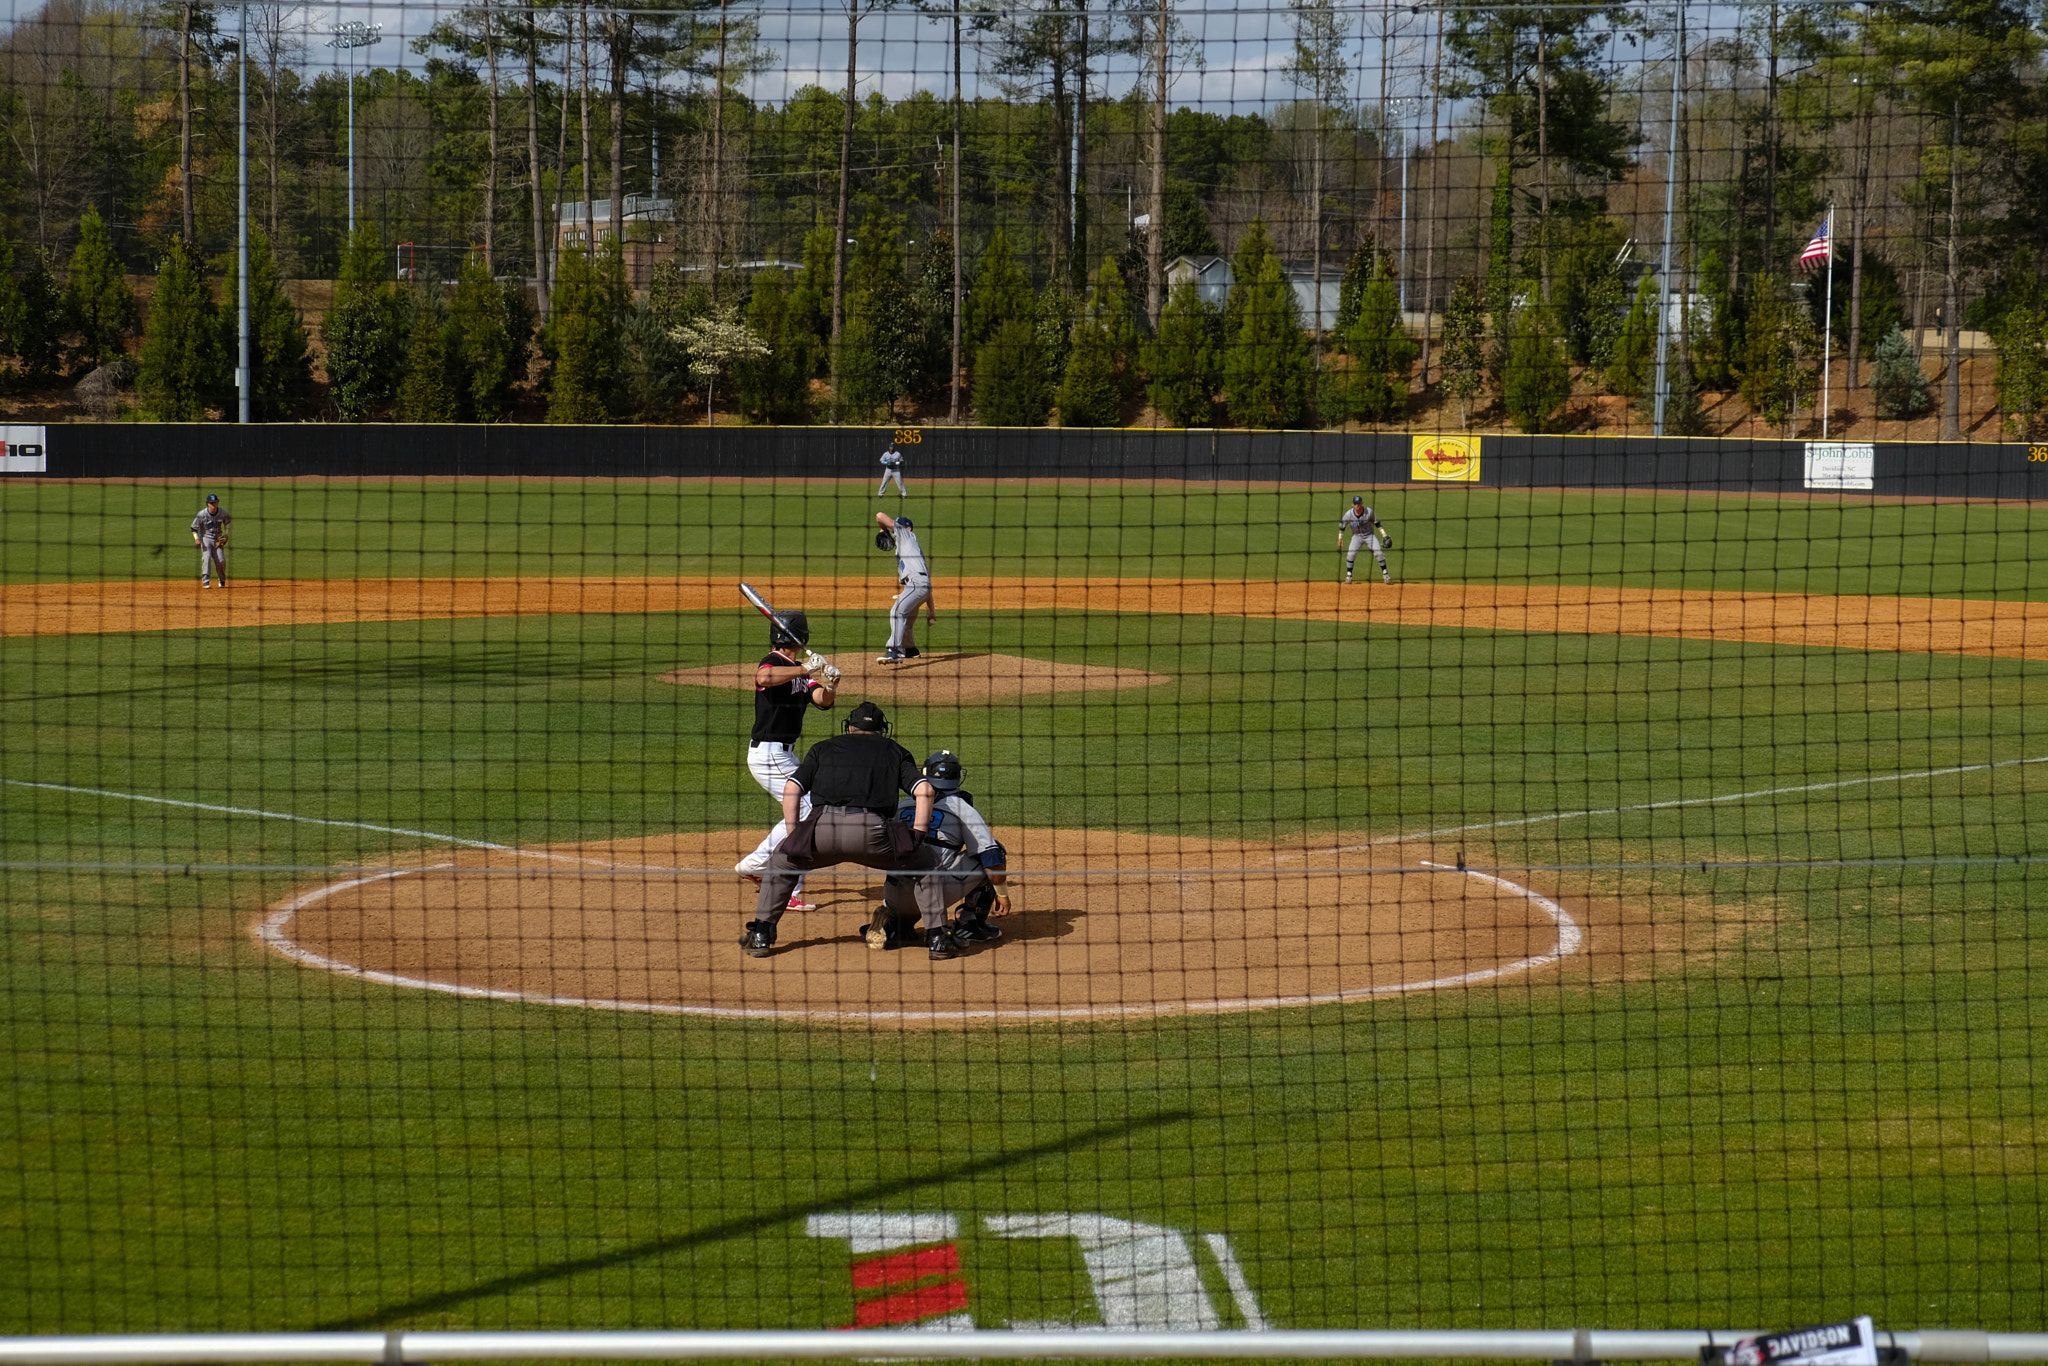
[{"x": 1630, "y": 917}]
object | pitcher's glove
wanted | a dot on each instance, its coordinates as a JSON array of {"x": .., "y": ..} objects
[{"x": 884, "y": 541}]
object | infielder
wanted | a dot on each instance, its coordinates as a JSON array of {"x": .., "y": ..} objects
[
  {"x": 892, "y": 468},
  {"x": 210, "y": 534},
  {"x": 915, "y": 579},
  {"x": 970, "y": 871},
  {"x": 1364, "y": 530},
  {"x": 786, "y": 686}
]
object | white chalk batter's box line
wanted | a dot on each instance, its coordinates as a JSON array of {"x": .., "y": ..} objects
[{"x": 906, "y": 1272}]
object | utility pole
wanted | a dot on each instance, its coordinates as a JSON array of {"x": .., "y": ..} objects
[
  {"x": 1663, "y": 382},
  {"x": 242, "y": 231}
]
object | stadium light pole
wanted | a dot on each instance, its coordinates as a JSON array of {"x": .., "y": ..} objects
[
  {"x": 349, "y": 36},
  {"x": 1662, "y": 386},
  {"x": 242, "y": 231},
  {"x": 1405, "y": 106}
]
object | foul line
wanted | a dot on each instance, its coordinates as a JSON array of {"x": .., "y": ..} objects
[
  {"x": 271, "y": 932},
  {"x": 301, "y": 820},
  {"x": 1688, "y": 801}
]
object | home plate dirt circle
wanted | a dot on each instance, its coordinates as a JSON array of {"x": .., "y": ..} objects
[{"x": 1121, "y": 926}]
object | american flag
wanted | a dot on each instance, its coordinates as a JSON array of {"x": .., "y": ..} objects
[{"x": 1819, "y": 251}]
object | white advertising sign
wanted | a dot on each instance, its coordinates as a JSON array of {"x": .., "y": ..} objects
[
  {"x": 1840, "y": 464},
  {"x": 22, "y": 451}
]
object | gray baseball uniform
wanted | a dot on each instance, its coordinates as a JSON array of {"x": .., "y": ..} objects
[
  {"x": 211, "y": 527},
  {"x": 967, "y": 850},
  {"x": 1365, "y": 532},
  {"x": 892, "y": 469},
  {"x": 915, "y": 577}
]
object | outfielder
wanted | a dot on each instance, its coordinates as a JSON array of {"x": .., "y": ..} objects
[
  {"x": 210, "y": 534},
  {"x": 892, "y": 469},
  {"x": 915, "y": 579},
  {"x": 1377, "y": 538},
  {"x": 970, "y": 871},
  {"x": 786, "y": 686}
]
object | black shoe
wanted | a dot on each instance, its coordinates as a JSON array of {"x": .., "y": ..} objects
[
  {"x": 759, "y": 940},
  {"x": 972, "y": 930},
  {"x": 912, "y": 653},
  {"x": 939, "y": 943}
]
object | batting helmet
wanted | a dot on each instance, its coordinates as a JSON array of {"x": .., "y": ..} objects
[
  {"x": 799, "y": 632},
  {"x": 867, "y": 716},
  {"x": 943, "y": 768}
]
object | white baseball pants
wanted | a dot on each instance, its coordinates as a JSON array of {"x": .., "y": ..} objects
[{"x": 772, "y": 765}]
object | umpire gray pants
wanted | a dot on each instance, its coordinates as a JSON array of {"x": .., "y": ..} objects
[
  {"x": 850, "y": 837},
  {"x": 903, "y": 616}
]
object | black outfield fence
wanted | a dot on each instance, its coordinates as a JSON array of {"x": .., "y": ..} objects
[{"x": 173, "y": 450}]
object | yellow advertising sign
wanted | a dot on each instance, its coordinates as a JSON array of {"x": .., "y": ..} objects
[{"x": 1447, "y": 458}]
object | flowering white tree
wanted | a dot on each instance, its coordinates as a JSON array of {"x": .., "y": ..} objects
[{"x": 713, "y": 342}]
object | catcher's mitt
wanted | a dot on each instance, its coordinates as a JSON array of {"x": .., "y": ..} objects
[{"x": 884, "y": 541}]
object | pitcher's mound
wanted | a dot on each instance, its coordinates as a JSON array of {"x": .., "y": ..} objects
[
  {"x": 1122, "y": 926},
  {"x": 940, "y": 679}
]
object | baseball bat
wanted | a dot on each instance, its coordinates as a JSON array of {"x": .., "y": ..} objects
[{"x": 753, "y": 595}]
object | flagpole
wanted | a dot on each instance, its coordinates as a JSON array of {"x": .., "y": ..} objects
[{"x": 1827, "y": 331}]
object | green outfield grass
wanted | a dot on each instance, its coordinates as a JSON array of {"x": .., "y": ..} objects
[
  {"x": 1830, "y": 1104},
  {"x": 306, "y": 530}
]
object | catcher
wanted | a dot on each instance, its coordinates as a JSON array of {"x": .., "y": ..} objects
[
  {"x": 971, "y": 868},
  {"x": 210, "y": 534}
]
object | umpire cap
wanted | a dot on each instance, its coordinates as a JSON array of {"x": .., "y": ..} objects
[
  {"x": 799, "y": 632},
  {"x": 867, "y": 716}
]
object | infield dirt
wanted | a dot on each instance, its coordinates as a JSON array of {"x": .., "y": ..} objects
[{"x": 1962, "y": 626}]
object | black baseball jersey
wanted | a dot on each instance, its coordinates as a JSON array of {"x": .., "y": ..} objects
[
  {"x": 858, "y": 769},
  {"x": 779, "y": 711}
]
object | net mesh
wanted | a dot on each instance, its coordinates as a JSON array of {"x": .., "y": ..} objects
[{"x": 1453, "y": 872}]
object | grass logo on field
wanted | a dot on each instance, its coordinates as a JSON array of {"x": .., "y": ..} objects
[
  {"x": 1447, "y": 459},
  {"x": 907, "y": 1272}
]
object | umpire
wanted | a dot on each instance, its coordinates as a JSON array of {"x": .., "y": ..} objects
[{"x": 853, "y": 780}]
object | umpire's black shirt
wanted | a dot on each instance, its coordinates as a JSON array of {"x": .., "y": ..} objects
[{"x": 859, "y": 768}]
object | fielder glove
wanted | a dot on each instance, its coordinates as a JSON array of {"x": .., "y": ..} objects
[{"x": 884, "y": 541}]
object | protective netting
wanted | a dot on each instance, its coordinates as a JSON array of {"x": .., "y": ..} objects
[{"x": 1454, "y": 872}]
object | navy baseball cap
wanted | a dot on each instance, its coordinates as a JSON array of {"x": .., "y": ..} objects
[
  {"x": 1356, "y": 499},
  {"x": 903, "y": 521},
  {"x": 213, "y": 498},
  {"x": 867, "y": 716}
]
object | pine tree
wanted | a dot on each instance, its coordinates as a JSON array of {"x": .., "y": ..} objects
[
  {"x": 487, "y": 359},
  {"x": 1266, "y": 362},
  {"x": 1009, "y": 378},
  {"x": 1252, "y": 254},
  {"x": 1898, "y": 388},
  {"x": 1537, "y": 381},
  {"x": 361, "y": 330},
  {"x": 1358, "y": 273},
  {"x": 810, "y": 296},
  {"x": 39, "y": 323},
  {"x": 1001, "y": 291},
  {"x": 1187, "y": 224},
  {"x": 1464, "y": 346},
  {"x": 581, "y": 341},
  {"x": 2022, "y": 379},
  {"x": 883, "y": 353},
  {"x": 182, "y": 369},
  {"x": 1629, "y": 369},
  {"x": 1778, "y": 348},
  {"x": 1683, "y": 413},
  {"x": 1382, "y": 353},
  {"x": 431, "y": 390},
  {"x": 1182, "y": 361},
  {"x": 1500, "y": 263},
  {"x": 280, "y": 359},
  {"x": 97, "y": 297},
  {"x": 1099, "y": 374},
  {"x": 776, "y": 387}
]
